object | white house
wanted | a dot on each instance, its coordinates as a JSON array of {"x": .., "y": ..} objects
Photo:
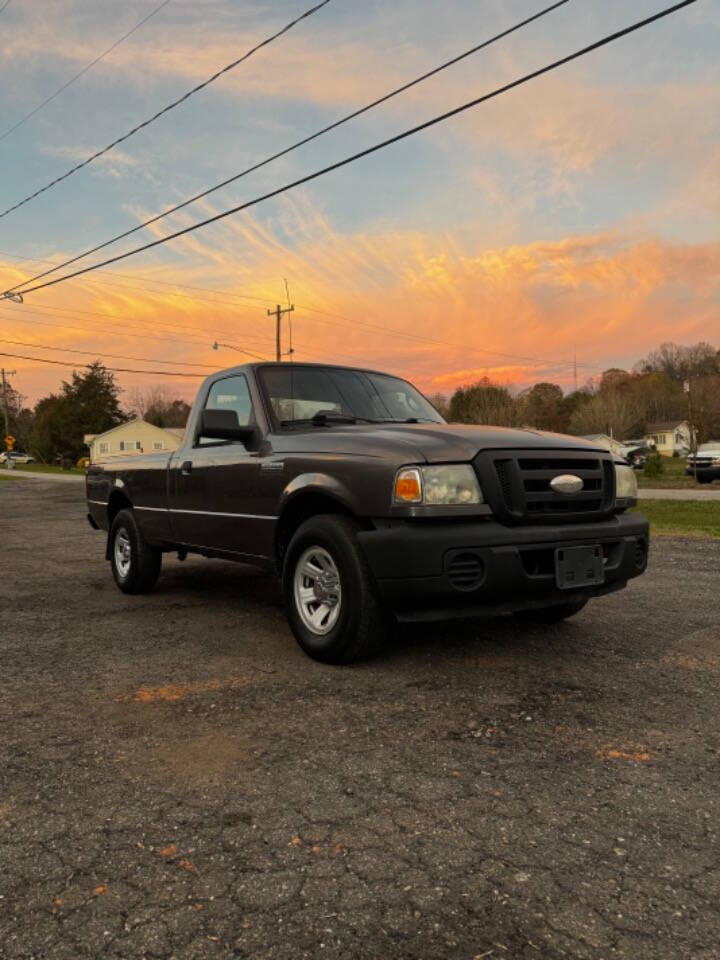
[
  {"x": 132, "y": 438},
  {"x": 669, "y": 438}
]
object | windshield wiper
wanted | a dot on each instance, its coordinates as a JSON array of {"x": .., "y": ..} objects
[
  {"x": 323, "y": 419},
  {"x": 327, "y": 419},
  {"x": 409, "y": 420}
]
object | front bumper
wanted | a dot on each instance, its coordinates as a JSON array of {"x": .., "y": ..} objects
[
  {"x": 429, "y": 570},
  {"x": 706, "y": 474}
]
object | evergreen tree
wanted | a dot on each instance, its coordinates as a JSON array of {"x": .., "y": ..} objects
[{"x": 89, "y": 403}]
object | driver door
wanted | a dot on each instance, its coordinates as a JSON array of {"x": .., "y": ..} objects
[{"x": 215, "y": 484}]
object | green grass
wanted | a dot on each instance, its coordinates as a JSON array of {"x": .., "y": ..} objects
[
  {"x": 673, "y": 476},
  {"x": 40, "y": 468},
  {"x": 682, "y": 518}
]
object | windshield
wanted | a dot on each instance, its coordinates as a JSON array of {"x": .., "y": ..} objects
[{"x": 297, "y": 394}]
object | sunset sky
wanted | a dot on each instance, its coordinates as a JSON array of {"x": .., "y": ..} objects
[{"x": 578, "y": 213}]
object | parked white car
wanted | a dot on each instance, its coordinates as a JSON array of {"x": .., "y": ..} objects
[
  {"x": 706, "y": 462},
  {"x": 17, "y": 456}
]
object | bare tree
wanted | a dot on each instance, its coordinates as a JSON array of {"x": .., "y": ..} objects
[
  {"x": 679, "y": 362},
  {"x": 156, "y": 405},
  {"x": 143, "y": 399},
  {"x": 612, "y": 412}
]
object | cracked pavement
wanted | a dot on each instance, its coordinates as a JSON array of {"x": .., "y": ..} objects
[{"x": 178, "y": 781}]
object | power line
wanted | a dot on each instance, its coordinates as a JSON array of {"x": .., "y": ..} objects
[
  {"x": 109, "y": 356},
  {"x": 347, "y": 322},
  {"x": 170, "y": 106},
  {"x": 391, "y": 332},
  {"x": 308, "y": 139},
  {"x": 335, "y": 317},
  {"x": 192, "y": 341},
  {"x": 5, "y": 5},
  {"x": 130, "y": 276},
  {"x": 360, "y": 154},
  {"x": 88, "y": 366},
  {"x": 61, "y": 311},
  {"x": 82, "y": 72}
]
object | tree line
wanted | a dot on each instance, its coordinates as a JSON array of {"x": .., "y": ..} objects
[
  {"x": 620, "y": 403},
  {"x": 88, "y": 403},
  {"x": 669, "y": 384}
]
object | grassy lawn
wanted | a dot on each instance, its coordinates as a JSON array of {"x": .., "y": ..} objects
[
  {"x": 682, "y": 518},
  {"x": 41, "y": 468},
  {"x": 673, "y": 476}
]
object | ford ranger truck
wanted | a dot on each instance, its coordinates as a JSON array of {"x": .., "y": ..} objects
[{"x": 350, "y": 486}]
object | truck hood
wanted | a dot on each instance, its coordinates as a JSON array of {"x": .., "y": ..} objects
[{"x": 433, "y": 442}]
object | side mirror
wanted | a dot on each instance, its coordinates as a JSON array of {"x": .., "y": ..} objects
[{"x": 224, "y": 425}]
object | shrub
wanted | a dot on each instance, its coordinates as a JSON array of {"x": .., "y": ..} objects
[{"x": 653, "y": 465}]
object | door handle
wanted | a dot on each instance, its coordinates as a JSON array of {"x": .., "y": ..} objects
[{"x": 186, "y": 468}]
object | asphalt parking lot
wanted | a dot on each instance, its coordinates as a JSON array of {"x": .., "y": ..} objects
[{"x": 178, "y": 780}]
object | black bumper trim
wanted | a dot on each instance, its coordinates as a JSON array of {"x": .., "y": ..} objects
[{"x": 410, "y": 563}]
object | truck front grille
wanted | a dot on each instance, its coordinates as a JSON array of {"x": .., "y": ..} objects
[{"x": 517, "y": 485}]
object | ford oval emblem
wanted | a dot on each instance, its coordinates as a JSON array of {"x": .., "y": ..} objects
[{"x": 567, "y": 483}]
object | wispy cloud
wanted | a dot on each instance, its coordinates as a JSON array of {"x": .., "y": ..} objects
[{"x": 433, "y": 307}]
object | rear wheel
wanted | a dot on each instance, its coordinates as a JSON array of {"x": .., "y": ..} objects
[
  {"x": 331, "y": 599},
  {"x": 135, "y": 563},
  {"x": 561, "y": 611}
]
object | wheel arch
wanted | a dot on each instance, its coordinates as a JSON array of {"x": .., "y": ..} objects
[{"x": 309, "y": 501}]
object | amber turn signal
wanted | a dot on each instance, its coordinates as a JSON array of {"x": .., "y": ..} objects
[{"x": 408, "y": 487}]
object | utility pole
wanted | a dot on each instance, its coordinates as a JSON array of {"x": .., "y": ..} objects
[
  {"x": 6, "y": 373},
  {"x": 575, "y": 369},
  {"x": 278, "y": 313},
  {"x": 687, "y": 387}
]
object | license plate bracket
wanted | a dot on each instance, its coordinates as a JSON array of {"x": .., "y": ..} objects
[{"x": 579, "y": 566}]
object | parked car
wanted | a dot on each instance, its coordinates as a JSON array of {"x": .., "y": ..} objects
[
  {"x": 351, "y": 487},
  {"x": 17, "y": 456},
  {"x": 706, "y": 462},
  {"x": 637, "y": 459}
]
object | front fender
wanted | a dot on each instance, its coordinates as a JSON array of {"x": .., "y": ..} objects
[{"x": 323, "y": 484}]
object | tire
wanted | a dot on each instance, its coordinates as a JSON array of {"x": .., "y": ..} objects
[
  {"x": 135, "y": 563},
  {"x": 554, "y": 614},
  {"x": 352, "y": 626}
]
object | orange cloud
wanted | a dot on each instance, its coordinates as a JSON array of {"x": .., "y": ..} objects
[{"x": 430, "y": 306}]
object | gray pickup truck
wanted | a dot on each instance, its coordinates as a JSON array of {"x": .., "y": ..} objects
[{"x": 351, "y": 487}]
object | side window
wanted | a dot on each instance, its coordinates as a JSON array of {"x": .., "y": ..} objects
[{"x": 232, "y": 393}]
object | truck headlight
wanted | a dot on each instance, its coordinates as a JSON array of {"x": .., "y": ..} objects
[
  {"x": 452, "y": 484},
  {"x": 626, "y": 487}
]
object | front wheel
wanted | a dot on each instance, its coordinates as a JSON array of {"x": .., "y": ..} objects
[
  {"x": 331, "y": 599},
  {"x": 554, "y": 614},
  {"x": 135, "y": 563}
]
